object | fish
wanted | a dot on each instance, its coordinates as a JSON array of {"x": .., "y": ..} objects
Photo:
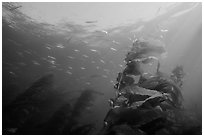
[
  {"x": 51, "y": 57},
  {"x": 83, "y": 68},
  {"x": 70, "y": 57},
  {"x": 70, "y": 67},
  {"x": 113, "y": 49},
  {"x": 35, "y": 62},
  {"x": 76, "y": 50},
  {"x": 85, "y": 56},
  {"x": 93, "y": 50},
  {"x": 94, "y": 21},
  {"x": 60, "y": 46},
  {"x": 102, "y": 61},
  {"x": 68, "y": 72}
]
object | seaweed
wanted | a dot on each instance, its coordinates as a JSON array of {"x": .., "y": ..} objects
[{"x": 151, "y": 106}]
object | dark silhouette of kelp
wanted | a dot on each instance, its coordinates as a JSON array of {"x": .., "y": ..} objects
[
  {"x": 154, "y": 104},
  {"x": 22, "y": 115},
  {"x": 28, "y": 103}
]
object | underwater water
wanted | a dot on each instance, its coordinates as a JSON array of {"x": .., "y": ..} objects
[{"x": 57, "y": 78}]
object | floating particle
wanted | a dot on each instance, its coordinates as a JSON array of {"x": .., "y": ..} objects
[
  {"x": 93, "y": 62},
  {"x": 97, "y": 67}
]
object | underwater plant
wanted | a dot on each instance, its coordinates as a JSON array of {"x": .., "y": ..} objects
[{"x": 153, "y": 105}]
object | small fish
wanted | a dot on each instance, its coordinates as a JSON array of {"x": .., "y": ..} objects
[
  {"x": 35, "y": 62},
  {"x": 93, "y": 50},
  {"x": 70, "y": 57},
  {"x": 95, "y": 21},
  {"x": 12, "y": 73},
  {"x": 68, "y": 72},
  {"x": 102, "y": 61},
  {"x": 113, "y": 49},
  {"x": 48, "y": 48},
  {"x": 93, "y": 62},
  {"x": 76, "y": 50},
  {"x": 164, "y": 30},
  {"x": 60, "y": 46},
  {"x": 85, "y": 56},
  {"x": 97, "y": 67},
  {"x": 52, "y": 62},
  {"x": 104, "y": 31},
  {"x": 115, "y": 42},
  {"x": 70, "y": 67},
  {"x": 51, "y": 57},
  {"x": 83, "y": 68}
]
